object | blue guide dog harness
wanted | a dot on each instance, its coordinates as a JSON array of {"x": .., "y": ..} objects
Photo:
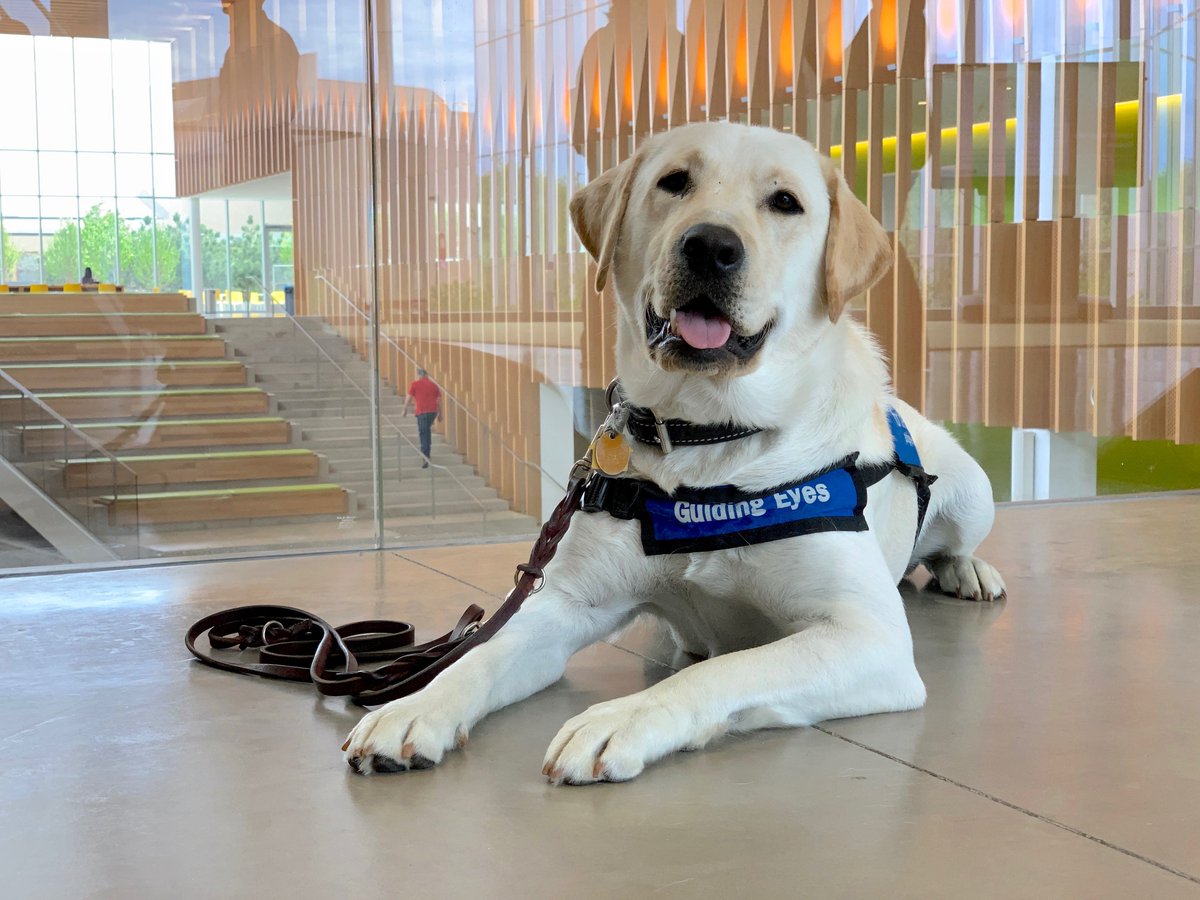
[{"x": 694, "y": 520}]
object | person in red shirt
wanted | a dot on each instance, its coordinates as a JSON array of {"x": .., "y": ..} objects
[{"x": 426, "y": 397}]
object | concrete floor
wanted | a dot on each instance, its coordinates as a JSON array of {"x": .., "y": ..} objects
[{"x": 1058, "y": 756}]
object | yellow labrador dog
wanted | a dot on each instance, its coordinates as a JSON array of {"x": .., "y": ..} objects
[{"x": 734, "y": 251}]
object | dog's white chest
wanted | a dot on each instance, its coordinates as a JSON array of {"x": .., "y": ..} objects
[
  {"x": 710, "y": 573},
  {"x": 712, "y": 608}
]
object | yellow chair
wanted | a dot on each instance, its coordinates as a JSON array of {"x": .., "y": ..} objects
[
  {"x": 39, "y": 288},
  {"x": 72, "y": 288},
  {"x": 107, "y": 288},
  {"x": 4, "y": 289}
]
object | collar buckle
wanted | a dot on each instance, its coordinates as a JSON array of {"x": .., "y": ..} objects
[{"x": 664, "y": 439}]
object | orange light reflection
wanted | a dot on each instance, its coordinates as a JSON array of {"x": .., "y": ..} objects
[
  {"x": 833, "y": 38},
  {"x": 887, "y": 27},
  {"x": 596, "y": 96},
  {"x": 787, "y": 48},
  {"x": 627, "y": 94},
  {"x": 664, "y": 79},
  {"x": 741, "y": 59}
]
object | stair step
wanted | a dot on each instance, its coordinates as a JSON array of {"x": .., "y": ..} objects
[
  {"x": 42, "y": 304},
  {"x": 192, "y": 468},
  {"x": 83, "y": 405},
  {"x": 445, "y": 506},
  {"x": 339, "y": 405},
  {"x": 273, "y": 353},
  {"x": 154, "y": 435},
  {"x": 425, "y": 529},
  {"x": 331, "y": 414},
  {"x": 416, "y": 485},
  {"x": 333, "y": 427},
  {"x": 347, "y": 450},
  {"x": 115, "y": 375},
  {"x": 238, "y": 503},
  {"x": 412, "y": 469},
  {"x": 307, "y": 388},
  {"x": 301, "y": 393},
  {"x": 79, "y": 324},
  {"x": 93, "y": 349}
]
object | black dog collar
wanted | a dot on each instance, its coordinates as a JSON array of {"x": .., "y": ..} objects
[{"x": 666, "y": 434}]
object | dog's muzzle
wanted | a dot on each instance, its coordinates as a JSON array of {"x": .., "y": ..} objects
[
  {"x": 699, "y": 336},
  {"x": 699, "y": 332}
]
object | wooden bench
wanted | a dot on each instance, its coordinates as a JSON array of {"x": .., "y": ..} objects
[
  {"x": 214, "y": 505},
  {"x": 191, "y": 468},
  {"x": 164, "y": 434},
  {"x": 93, "y": 349},
  {"x": 84, "y": 405},
  {"x": 98, "y": 324},
  {"x": 116, "y": 375},
  {"x": 44, "y": 304}
]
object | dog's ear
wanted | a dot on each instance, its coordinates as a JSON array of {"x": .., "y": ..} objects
[
  {"x": 597, "y": 211},
  {"x": 858, "y": 251}
]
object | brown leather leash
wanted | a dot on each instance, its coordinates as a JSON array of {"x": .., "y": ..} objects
[{"x": 295, "y": 645}]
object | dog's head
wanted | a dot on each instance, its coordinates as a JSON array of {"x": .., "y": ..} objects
[{"x": 730, "y": 246}]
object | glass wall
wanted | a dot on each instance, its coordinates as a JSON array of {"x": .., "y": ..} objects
[
  {"x": 396, "y": 176},
  {"x": 247, "y": 252},
  {"x": 87, "y": 167}
]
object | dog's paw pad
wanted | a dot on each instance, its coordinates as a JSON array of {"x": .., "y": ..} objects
[{"x": 380, "y": 763}]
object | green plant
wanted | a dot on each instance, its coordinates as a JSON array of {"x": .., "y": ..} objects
[
  {"x": 89, "y": 243},
  {"x": 245, "y": 257},
  {"x": 92, "y": 243},
  {"x": 10, "y": 254},
  {"x": 242, "y": 269}
]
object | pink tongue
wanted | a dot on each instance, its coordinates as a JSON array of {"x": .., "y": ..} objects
[{"x": 700, "y": 332}]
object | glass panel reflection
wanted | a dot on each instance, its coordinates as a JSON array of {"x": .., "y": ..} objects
[{"x": 1034, "y": 162}]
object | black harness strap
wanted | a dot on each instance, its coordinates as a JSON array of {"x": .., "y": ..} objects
[
  {"x": 692, "y": 520},
  {"x": 921, "y": 480}
]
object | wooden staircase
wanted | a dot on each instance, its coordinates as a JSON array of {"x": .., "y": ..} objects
[{"x": 142, "y": 375}]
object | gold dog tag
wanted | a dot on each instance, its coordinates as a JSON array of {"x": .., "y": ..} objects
[{"x": 611, "y": 453}]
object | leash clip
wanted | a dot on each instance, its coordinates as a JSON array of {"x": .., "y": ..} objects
[{"x": 537, "y": 573}]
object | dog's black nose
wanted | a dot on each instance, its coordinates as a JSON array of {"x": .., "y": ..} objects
[{"x": 712, "y": 250}]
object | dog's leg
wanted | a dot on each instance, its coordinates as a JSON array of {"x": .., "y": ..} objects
[
  {"x": 850, "y": 655},
  {"x": 527, "y": 655},
  {"x": 960, "y": 517}
]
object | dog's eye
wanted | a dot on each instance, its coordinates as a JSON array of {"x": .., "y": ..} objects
[
  {"x": 785, "y": 202},
  {"x": 675, "y": 182}
]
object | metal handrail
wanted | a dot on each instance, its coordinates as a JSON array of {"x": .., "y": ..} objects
[
  {"x": 386, "y": 418},
  {"x": 458, "y": 403},
  {"x": 89, "y": 443},
  {"x": 29, "y": 395}
]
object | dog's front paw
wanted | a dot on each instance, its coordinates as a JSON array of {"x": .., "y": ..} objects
[
  {"x": 967, "y": 577},
  {"x": 411, "y": 733},
  {"x": 614, "y": 741}
]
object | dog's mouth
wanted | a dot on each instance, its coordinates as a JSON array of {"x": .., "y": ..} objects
[{"x": 698, "y": 335}]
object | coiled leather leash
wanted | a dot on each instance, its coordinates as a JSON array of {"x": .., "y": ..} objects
[{"x": 295, "y": 645}]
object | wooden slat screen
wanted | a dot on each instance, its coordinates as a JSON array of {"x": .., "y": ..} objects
[{"x": 1034, "y": 162}]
